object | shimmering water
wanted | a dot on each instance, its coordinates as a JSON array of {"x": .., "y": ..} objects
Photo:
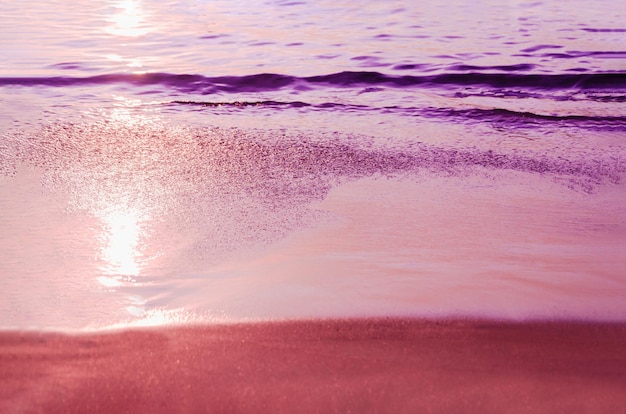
[{"x": 165, "y": 161}]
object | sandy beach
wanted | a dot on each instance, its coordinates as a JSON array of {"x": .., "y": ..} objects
[
  {"x": 359, "y": 365},
  {"x": 312, "y": 206}
]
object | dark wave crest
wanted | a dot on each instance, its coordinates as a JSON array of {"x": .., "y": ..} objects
[
  {"x": 496, "y": 116},
  {"x": 524, "y": 119},
  {"x": 271, "y": 82},
  {"x": 246, "y": 104}
]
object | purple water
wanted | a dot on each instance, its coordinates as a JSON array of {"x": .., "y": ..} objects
[{"x": 171, "y": 162}]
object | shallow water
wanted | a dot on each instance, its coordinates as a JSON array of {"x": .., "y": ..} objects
[{"x": 214, "y": 161}]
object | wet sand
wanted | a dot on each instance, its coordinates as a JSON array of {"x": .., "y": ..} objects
[{"x": 383, "y": 365}]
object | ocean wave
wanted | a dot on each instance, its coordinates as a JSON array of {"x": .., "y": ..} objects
[
  {"x": 272, "y": 82},
  {"x": 500, "y": 116},
  {"x": 525, "y": 119}
]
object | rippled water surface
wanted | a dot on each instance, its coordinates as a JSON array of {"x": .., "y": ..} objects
[
  {"x": 165, "y": 161},
  {"x": 309, "y": 38}
]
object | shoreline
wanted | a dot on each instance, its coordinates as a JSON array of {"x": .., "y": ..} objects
[{"x": 328, "y": 365}]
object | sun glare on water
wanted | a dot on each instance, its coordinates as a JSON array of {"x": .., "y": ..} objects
[
  {"x": 128, "y": 20},
  {"x": 121, "y": 248}
]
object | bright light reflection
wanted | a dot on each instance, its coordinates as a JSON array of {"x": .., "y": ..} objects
[
  {"x": 131, "y": 62},
  {"x": 121, "y": 246},
  {"x": 133, "y": 112},
  {"x": 129, "y": 19},
  {"x": 109, "y": 281},
  {"x": 159, "y": 317}
]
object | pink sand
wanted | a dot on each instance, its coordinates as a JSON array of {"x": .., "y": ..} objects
[{"x": 387, "y": 365}]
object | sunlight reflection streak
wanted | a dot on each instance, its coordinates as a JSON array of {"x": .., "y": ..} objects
[
  {"x": 121, "y": 251},
  {"x": 128, "y": 21}
]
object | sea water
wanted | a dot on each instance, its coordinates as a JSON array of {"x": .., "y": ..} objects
[{"x": 222, "y": 161}]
